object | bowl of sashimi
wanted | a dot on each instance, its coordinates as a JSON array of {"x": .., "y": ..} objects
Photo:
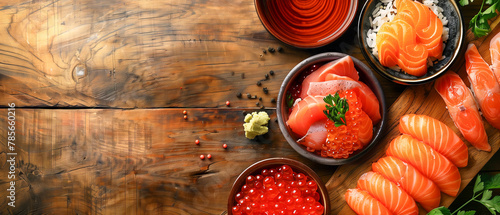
[
  {"x": 331, "y": 108},
  {"x": 410, "y": 42}
]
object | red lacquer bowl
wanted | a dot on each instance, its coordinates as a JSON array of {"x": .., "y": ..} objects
[{"x": 306, "y": 23}]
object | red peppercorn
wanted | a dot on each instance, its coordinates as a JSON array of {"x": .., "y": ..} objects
[
  {"x": 184, "y": 112},
  {"x": 209, "y": 156},
  {"x": 227, "y": 103},
  {"x": 185, "y": 117},
  {"x": 197, "y": 142},
  {"x": 202, "y": 157},
  {"x": 224, "y": 146}
]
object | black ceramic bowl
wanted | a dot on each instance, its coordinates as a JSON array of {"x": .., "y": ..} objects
[
  {"x": 451, "y": 51},
  {"x": 365, "y": 75},
  {"x": 296, "y": 166}
]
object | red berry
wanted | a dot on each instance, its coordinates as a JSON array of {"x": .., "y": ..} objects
[
  {"x": 202, "y": 157},
  {"x": 209, "y": 156},
  {"x": 184, "y": 112},
  {"x": 185, "y": 117},
  {"x": 197, "y": 142},
  {"x": 227, "y": 103},
  {"x": 224, "y": 146}
]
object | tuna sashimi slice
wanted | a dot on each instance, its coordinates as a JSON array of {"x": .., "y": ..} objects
[
  {"x": 388, "y": 193},
  {"x": 437, "y": 135},
  {"x": 484, "y": 85},
  {"x": 305, "y": 113},
  {"x": 343, "y": 66},
  {"x": 363, "y": 203},
  {"x": 422, "y": 189},
  {"x": 462, "y": 109},
  {"x": 426, "y": 160}
]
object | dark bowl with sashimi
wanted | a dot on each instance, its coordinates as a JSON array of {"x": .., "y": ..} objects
[
  {"x": 331, "y": 108},
  {"x": 410, "y": 42}
]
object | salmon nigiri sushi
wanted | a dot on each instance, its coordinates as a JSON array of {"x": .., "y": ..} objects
[
  {"x": 484, "y": 85},
  {"x": 462, "y": 109},
  {"x": 364, "y": 204},
  {"x": 388, "y": 193},
  {"x": 426, "y": 160},
  {"x": 437, "y": 135},
  {"x": 495, "y": 55},
  {"x": 422, "y": 189}
]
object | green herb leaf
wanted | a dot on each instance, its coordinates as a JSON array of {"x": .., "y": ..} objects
[
  {"x": 491, "y": 182},
  {"x": 464, "y": 2},
  {"x": 336, "y": 108},
  {"x": 440, "y": 211},
  {"x": 492, "y": 204},
  {"x": 289, "y": 100},
  {"x": 489, "y": 1},
  {"x": 466, "y": 212},
  {"x": 478, "y": 185}
]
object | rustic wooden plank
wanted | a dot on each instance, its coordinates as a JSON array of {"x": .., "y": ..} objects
[
  {"x": 132, "y": 161},
  {"x": 420, "y": 100},
  {"x": 140, "y": 53}
]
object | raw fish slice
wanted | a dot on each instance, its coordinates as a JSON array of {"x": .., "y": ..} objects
[
  {"x": 486, "y": 87},
  {"x": 365, "y": 132},
  {"x": 426, "y": 160},
  {"x": 387, "y": 45},
  {"x": 388, "y": 193},
  {"x": 422, "y": 189},
  {"x": 495, "y": 55},
  {"x": 343, "y": 66},
  {"x": 437, "y": 135},
  {"x": 315, "y": 137},
  {"x": 334, "y": 83},
  {"x": 305, "y": 113},
  {"x": 364, "y": 204},
  {"x": 462, "y": 109},
  {"x": 413, "y": 59}
]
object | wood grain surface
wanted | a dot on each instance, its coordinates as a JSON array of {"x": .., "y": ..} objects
[{"x": 100, "y": 87}]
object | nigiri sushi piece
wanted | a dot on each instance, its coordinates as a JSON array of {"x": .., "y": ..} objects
[
  {"x": 343, "y": 67},
  {"x": 305, "y": 113},
  {"x": 422, "y": 189},
  {"x": 364, "y": 204},
  {"x": 437, "y": 135},
  {"x": 462, "y": 109},
  {"x": 484, "y": 85},
  {"x": 388, "y": 193},
  {"x": 429, "y": 162},
  {"x": 495, "y": 55}
]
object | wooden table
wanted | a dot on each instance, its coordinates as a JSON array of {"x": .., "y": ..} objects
[{"x": 99, "y": 88}]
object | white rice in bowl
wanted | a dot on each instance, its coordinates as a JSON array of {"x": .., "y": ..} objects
[{"x": 385, "y": 11}]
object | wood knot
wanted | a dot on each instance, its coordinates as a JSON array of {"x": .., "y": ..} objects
[{"x": 79, "y": 72}]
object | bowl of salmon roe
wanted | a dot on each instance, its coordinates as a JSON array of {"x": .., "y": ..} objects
[
  {"x": 340, "y": 144},
  {"x": 278, "y": 186},
  {"x": 306, "y": 24}
]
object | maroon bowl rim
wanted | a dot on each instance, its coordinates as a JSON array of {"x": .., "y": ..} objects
[
  {"x": 297, "y": 166},
  {"x": 349, "y": 20}
]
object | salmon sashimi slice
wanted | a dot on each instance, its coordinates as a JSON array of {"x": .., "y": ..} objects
[
  {"x": 484, "y": 85},
  {"x": 305, "y": 113},
  {"x": 413, "y": 59},
  {"x": 437, "y": 135},
  {"x": 462, "y": 109},
  {"x": 388, "y": 193},
  {"x": 422, "y": 189},
  {"x": 365, "y": 133},
  {"x": 333, "y": 83},
  {"x": 315, "y": 137},
  {"x": 363, "y": 203},
  {"x": 495, "y": 55},
  {"x": 343, "y": 66},
  {"x": 426, "y": 160}
]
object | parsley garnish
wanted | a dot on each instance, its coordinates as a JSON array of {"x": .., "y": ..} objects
[
  {"x": 336, "y": 108},
  {"x": 289, "y": 100},
  {"x": 479, "y": 23},
  {"x": 481, "y": 187}
]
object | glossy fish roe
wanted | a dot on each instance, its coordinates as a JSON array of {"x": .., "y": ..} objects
[{"x": 278, "y": 191}]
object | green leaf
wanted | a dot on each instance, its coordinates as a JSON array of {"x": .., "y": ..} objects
[
  {"x": 491, "y": 182},
  {"x": 289, "y": 100},
  {"x": 466, "y": 212},
  {"x": 478, "y": 185},
  {"x": 464, "y": 2},
  {"x": 336, "y": 108},
  {"x": 492, "y": 204},
  {"x": 489, "y": 13},
  {"x": 489, "y": 1},
  {"x": 439, "y": 211}
]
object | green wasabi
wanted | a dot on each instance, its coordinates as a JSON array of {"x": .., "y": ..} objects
[{"x": 256, "y": 124}]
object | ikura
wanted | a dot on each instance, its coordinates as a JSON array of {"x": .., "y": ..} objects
[{"x": 278, "y": 191}]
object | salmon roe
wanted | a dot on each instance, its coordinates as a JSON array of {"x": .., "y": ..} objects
[
  {"x": 278, "y": 191},
  {"x": 342, "y": 141}
]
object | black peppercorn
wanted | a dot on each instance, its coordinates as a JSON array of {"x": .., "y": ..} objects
[
  {"x": 259, "y": 83},
  {"x": 280, "y": 49},
  {"x": 267, "y": 76},
  {"x": 260, "y": 98},
  {"x": 249, "y": 96},
  {"x": 238, "y": 95},
  {"x": 271, "y": 72},
  {"x": 257, "y": 103},
  {"x": 271, "y": 50},
  {"x": 265, "y": 90},
  {"x": 273, "y": 100},
  {"x": 264, "y": 51}
]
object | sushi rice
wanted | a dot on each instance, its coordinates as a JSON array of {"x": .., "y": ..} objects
[{"x": 385, "y": 11}]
